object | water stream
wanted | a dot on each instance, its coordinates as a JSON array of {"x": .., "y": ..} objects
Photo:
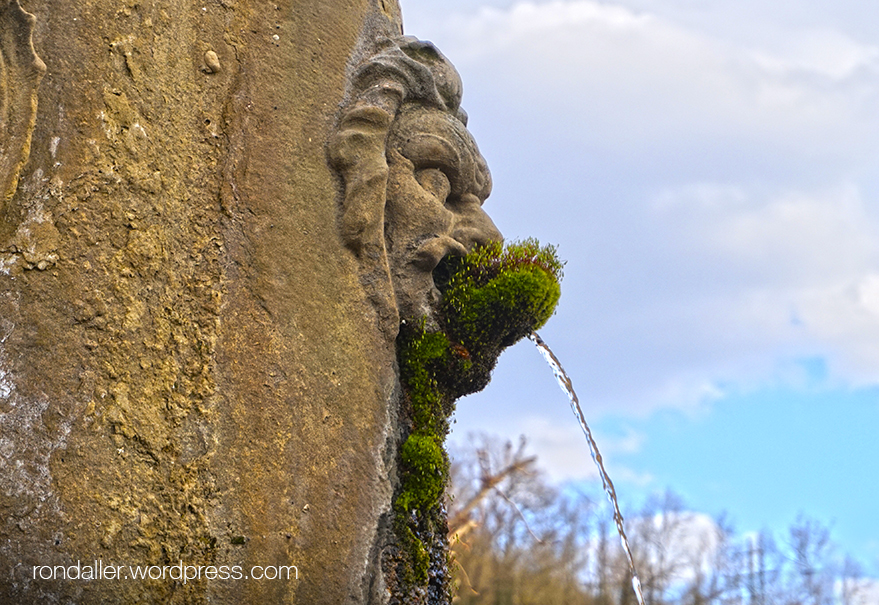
[{"x": 566, "y": 386}]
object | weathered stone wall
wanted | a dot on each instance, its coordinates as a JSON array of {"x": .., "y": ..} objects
[{"x": 190, "y": 369}]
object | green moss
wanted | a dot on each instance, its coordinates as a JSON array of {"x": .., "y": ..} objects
[
  {"x": 503, "y": 310},
  {"x": 421, "y": 354},
  {"x": 491, "y": 298},
  {"x": 426, "y": 472}
]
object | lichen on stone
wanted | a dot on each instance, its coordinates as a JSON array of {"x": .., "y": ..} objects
[{"x": 490, "y": 299}]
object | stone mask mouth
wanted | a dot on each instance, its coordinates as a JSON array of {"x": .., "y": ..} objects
[{"x": 442, "y": 273}]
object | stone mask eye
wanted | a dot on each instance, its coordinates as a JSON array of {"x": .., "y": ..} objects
[{"x": 434, "y": 181}]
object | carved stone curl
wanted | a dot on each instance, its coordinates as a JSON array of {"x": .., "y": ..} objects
[
  {"x": 20, "y": 73},
  {"x": 414, "y": 180}
]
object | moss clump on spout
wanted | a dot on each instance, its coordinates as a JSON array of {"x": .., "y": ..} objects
[
  {"x": 491, "y": 298},
  {"x": 494, "y": 297}
]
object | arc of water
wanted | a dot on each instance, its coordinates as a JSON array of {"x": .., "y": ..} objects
[{"x": 567, "y": 386}]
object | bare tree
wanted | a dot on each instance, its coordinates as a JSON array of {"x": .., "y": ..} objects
[
  {"x": 516, "y": 540},
  {"x": 519, "y": 541},
  {"x": 811, "y": 575}
]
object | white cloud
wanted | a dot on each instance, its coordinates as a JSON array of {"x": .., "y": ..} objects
[
  {"x": 677, "y": 544},
  {"x": 562, "y": 449},
  {"x": 708, "y": 287},
  {"x": 734, "y": 285},
  {"x": 825, "y": 53},
  {"x": 502, "y": 28},
  {"x": 709, "y": 170},
  {"x": 622, "y": 76},
  {"x": 864, "y": 591},
  {"x": 712, "y": 187},
  {"x": 809, "y": 255},
  {"x": 682, "y": 536},
  {"x": 782, "y": 241}
]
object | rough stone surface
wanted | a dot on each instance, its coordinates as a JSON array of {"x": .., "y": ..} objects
[{"x": 190, "y": 366}]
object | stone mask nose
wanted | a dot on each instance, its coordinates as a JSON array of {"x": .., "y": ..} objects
[{"x": 474, "y": 227}]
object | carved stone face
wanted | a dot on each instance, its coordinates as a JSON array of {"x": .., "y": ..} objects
[
  {"x": 437, "y": 183},
  {"x": 414, "y": 178}
]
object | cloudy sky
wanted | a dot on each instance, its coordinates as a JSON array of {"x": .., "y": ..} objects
[{"x": 710, "y": 172}]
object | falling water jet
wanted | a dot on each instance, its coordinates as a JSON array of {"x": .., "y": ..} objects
[{"x": 565, "y": 383}]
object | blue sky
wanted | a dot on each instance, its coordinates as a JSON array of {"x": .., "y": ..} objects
[{"x": 710, "y": 171}]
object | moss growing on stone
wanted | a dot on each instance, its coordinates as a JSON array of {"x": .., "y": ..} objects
[
  {"x": 426, "y": 471},
  {"x": 422, "y": 355},
  {"x": 491, "y": 298},
  {"x": 494, "y": 296}
]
